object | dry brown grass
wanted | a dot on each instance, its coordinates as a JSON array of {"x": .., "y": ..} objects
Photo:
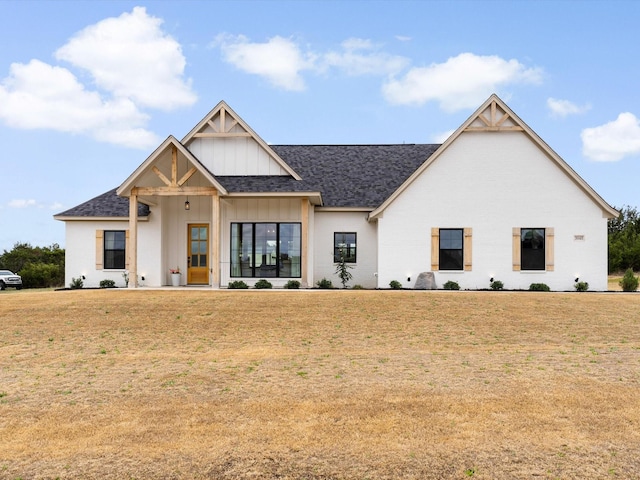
[{"x": 117, "y": 384}]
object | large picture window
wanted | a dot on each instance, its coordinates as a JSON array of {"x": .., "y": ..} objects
[
  {"x": 451, "y": 249},
  {"x": 532, "y": 248},
  {"x": 114, "y": 249},
  {"x": 344, "y": 243},
  {"x": 264, "y": 250}
]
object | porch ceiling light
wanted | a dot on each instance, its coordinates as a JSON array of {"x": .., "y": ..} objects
[{"x": 187, "y": 205}]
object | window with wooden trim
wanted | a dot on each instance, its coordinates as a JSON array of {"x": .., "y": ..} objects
[
  {"x": 344, "y": 244},
  {"x": 114, "y": 256},
  {"x": 451, "y": 249},
  {"x": 533, "y": 249}
]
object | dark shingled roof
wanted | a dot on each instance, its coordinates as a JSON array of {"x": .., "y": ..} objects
[
  {"x": 106, "y": 205},
  {"x": 355, "y": 175},
  {"x": 345, "y": 175}
]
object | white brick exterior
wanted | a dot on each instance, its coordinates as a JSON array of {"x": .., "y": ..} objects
[{"x": 492, "y": 182}]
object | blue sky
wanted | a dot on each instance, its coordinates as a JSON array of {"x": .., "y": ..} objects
[{"x": 88, "y": 89}]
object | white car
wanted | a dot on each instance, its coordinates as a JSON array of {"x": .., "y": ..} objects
[{"x": 10, "y": 279}]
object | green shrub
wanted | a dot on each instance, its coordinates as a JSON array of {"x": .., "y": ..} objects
[
  {"x": 262, "y": 283},
  {"x": 539, "y": 287},
  {"x": 237, "y": 284},
  {"x": 357, "y": 287},
  {"x": 76, "y": 283},
  {"x": 581, "y": 286},
  {"x": 107, "y": 283},
  {"x": 292, "y": 284},
  {"x": 42, "y": 275},
  {"x": 629, "y": 282},
  {"x": 451, "y": 285},
  {"x": 396, "y": 285},
  {"x": 324, "y": 283},
  {"x": 496, "y": 285}
]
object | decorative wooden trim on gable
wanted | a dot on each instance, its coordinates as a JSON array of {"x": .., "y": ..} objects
[
  {"x": 494, "y": 119},
  {"x": 223, "y": 128},
  {"x": 173, "y": 185}
]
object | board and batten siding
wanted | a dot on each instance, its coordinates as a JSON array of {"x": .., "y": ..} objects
[
  {"x": 234, "y": 156},
  {"x": 492, "y": 183}
]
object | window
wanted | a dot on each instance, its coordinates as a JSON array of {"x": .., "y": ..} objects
[
  {"x": 114, "y": 249},
  {"x": 532, "y": 248},
  {"x": 451, "y": 249},
  {"x": 344, "y": 243},
  {"x": 263, "y": 250}
]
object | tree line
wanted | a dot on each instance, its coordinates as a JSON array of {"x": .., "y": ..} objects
[
  {"x": 39, "y": 267},
  {"x": 42, "y": 267},
  {"x": 624, "y": 240}
]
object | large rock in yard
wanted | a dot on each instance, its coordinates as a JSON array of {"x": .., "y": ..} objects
[{"x": 425, "y": 281}]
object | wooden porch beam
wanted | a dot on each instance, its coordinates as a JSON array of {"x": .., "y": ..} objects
[
  {"x": 304, "y": 248},
  {"x": 133, "y": 241},
  {"x": 215, "y": 241},
  {"x": 171, "y": 191}
]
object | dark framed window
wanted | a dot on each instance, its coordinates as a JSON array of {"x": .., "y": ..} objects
[
  {"x": 451, "y": 249},
  {"x": 266, "y": 250},
  {"x": 115, "y": 242},
  {"x": 344, "y": 243},
  {"x": 532, "y": 248}
]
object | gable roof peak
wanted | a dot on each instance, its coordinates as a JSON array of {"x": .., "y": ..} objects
[
  {"x": 494, "y": 115},
  {"x": 223, "y": 122}
]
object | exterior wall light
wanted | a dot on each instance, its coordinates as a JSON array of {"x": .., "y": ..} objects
[{"x": 187, "y": 205}]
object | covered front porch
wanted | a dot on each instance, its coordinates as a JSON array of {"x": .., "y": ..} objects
[{"x": 208, "y": 235}]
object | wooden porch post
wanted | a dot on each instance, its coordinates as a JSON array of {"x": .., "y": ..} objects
[
  {"x": 133, "y": 239},
  {"x": 215, "y": 240},
  {"x": 304, "y": 250}
]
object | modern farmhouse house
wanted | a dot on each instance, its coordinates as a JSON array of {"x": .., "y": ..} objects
[{"x": 494, "y": 201}]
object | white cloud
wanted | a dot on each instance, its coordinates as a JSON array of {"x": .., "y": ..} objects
[
  {"x": 283, "y": 62},
  {"x": 361, "y": 57},
  {"x": 614, "y": 140},
  {"x": 132, "y": 62},
  {"x": 131, "y": 57},
  {"x": 38, "y": 95},
  {"x": 562, "y": 108},
  {"x": 280, "y": 60},
  {"x": 461, "y": 82},
  {"x": 22, "y": 203}
]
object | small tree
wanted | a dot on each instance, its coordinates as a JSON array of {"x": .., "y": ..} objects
[
  {"x": 629, "y": 282},
  {"x": 342, "y": 270}
]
